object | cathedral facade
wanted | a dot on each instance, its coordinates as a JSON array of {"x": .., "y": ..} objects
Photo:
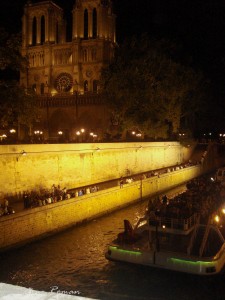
[{"x": 65, "y": 73}]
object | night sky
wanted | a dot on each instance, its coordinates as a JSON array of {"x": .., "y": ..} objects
[{"x": 197, "y": 25}]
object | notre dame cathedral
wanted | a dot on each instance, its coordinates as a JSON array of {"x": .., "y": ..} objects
[{"x": 65, "y": 73}]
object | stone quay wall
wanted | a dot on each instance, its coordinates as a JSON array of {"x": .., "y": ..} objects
[
  {"x": 36, "y": 223},
  {"x": 32, "y": 167}
]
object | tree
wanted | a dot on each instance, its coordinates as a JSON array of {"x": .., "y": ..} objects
[
  {"x": 146, "y": 87},
  {"x": 18, "y": 105}
]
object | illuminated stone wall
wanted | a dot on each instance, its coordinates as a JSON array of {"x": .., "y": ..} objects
[
  {"x": 75, "y": 165},
  {"x": 38, "y": 222}
]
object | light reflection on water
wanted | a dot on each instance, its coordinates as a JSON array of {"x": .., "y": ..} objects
[{"x": 74, "y": 261}]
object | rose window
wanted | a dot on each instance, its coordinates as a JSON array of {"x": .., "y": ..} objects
[{"x": 64, "y": 82}]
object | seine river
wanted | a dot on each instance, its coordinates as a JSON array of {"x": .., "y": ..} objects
[{"x": 74, "y": 262}]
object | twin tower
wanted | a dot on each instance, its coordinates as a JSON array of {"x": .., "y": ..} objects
[{"x": 61, "y": 65}]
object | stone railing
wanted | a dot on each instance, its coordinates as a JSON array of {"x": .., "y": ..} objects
[{"x": 69, "y": 100}]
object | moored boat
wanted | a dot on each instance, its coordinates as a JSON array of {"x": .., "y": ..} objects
[{"x": 188, "y": 241}]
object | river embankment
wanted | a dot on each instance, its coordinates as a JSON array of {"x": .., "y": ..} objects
[{"x": 32, "y": 224}]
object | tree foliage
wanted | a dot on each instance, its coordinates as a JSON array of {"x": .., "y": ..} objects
[
  {"x": 18, "y": 105},
  {"x": 10, "y": 56},
  {"x": 147, "y": 87}
]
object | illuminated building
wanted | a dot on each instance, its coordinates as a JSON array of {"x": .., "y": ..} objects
[{"x": 65, "y": 74}]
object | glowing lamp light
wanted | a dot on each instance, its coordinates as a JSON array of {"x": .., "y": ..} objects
[
  {"x": 133, "y": 132},
  {"x": 91, "y": 133},
  {"x": 212, "y": 179},
  {"x": 4, "y": 135},
  {"x": 78, "y": 133},
  {"x": 82, "y": 130},
  {"x": 164, "y": 226},
  {"x": 60, "y": 132},
  {"x": 223, "y": 211},
  {"x": 12, "y": 130},
  {"x": 39, "y": 132},
  {"x": 216, "y": 219}
]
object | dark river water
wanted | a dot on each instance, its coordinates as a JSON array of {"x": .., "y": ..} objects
[{"x": 73, "y": 261}]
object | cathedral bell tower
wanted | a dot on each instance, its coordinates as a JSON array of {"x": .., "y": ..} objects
[
  {"x": 42, "y": 23},
  {"x": 94, "y": 19},
  {"x": 58, "y": 66}
]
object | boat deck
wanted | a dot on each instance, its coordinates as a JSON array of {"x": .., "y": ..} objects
[{"x": 170, "y": 242}]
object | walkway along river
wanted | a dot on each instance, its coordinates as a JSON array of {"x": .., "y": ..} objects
[
  {"x": 25, "y": 226},
  {"x": 74, "y": 261}
]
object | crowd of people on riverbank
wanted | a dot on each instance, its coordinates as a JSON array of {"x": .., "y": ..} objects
[
  {"x": 55, "y": 194},
  {"x": 203, "y": 196}
]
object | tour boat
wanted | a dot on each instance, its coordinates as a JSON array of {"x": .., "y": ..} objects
[{"x": 179, "y": 244}]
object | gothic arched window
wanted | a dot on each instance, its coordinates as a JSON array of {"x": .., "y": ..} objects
[
  {"x": 93, "y": 54},
  {"x": 42, "y": 88},
  {"x": 34, "y": 87},
  {"x": 57, "y": 33},
  {"x": 34, "y": 31},
  {"x": 85, "y": 55},
  {"x": 85, "y": 24},
  {"x": 94, "y": 27},
  {"x": 95, "y": 86},
  {"x": 42, "y": 30},
  {"x": 85, "y": 86}
]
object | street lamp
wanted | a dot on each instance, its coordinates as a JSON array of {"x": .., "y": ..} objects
[
  {"x": 81, "y": 133},
  {"x": 38, "y": 135},
  {"x": 3, "y": 136},
  {"x": 93, "y": 136},
  {"x": 12, "y": 135}
]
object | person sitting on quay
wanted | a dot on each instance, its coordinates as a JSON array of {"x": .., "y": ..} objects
[
  {"x": 63, "y": 194},
  {"x": 5, "y": 209},
  {"x": 121, "y": 182},
  {"x": 80, "y": 193},
  {"x": 1, "y": 210},
  {"x": 25, "y": 199},
  {"x": 93, "y": 189},
  {"x": 129, "y": 180}
]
